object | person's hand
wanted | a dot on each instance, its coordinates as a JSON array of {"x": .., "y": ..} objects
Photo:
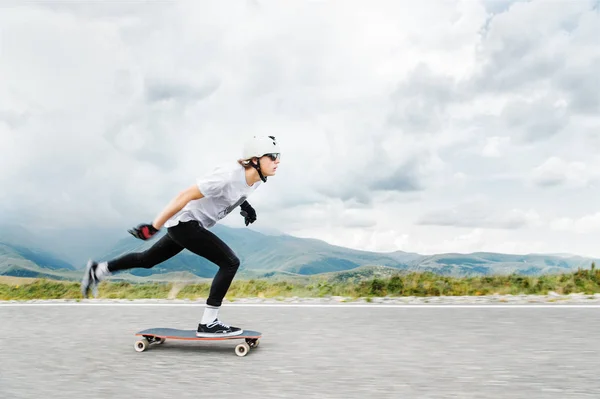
[
  {"x": 248, "y": 213},
  {"x": 143, "y": 231}
]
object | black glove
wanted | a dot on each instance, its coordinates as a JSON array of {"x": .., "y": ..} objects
[
  {"x": 143, "y": 231},
  {"x": 248, "y": 213}
]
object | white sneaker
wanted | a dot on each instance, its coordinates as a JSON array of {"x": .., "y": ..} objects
[{"x": 90, "y": 281}]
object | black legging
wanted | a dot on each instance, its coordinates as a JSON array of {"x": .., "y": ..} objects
[{"x": 192, "y": 236}]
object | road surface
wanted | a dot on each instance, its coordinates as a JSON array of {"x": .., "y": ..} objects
[{"x": 81, "y": 351}]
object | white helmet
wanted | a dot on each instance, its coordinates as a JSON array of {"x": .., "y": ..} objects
[{"x": 259, "y": 146}]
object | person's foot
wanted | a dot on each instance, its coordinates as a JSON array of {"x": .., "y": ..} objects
[
  {"x": 90, "y": 281},
  {"x": 217, "y": 328}
]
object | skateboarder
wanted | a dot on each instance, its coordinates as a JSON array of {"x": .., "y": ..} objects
[{"x": 187, "y": 219}]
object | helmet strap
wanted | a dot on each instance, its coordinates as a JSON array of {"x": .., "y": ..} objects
[{"x": 257, "y": 167}]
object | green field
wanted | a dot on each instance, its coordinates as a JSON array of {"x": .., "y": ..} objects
[{"x": 348, "y": 285}]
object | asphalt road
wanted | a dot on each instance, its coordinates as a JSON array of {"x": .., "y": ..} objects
[{"x": 326, "y": 352}]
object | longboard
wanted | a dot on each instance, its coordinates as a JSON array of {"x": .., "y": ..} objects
[{"x": 157, "y": 336}]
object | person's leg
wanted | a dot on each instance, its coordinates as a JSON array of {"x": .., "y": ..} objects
[
  {"x": 162, "y": 250},
  {"x": 204, "y": 243}
]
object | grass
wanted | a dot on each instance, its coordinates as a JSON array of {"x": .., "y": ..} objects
[
  {"x": 40, "y": 289},
  {"x": 408, "y": 284}
]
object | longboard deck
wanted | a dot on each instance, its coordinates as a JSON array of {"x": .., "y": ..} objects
[
  {"x": 174, "y": 333},
  {"x": 157, "y": 336}
]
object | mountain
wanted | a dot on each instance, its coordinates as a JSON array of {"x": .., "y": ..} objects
[
  {"x": 26, "y": 262},
  {"x": 73, "y": 245},
  {"x": 486, "y": 263},
  {"x": 261, "y": 255}
]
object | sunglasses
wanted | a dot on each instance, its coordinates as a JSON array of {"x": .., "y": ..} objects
[{"x": 274, "y": 156}]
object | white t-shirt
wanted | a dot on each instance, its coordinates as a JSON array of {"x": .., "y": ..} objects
[{"x": 224, "y": 189}]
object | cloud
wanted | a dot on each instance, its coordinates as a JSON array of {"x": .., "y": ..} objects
[
  {"x": 556, "y": 172},
  {"x": 583, "y": 225},
  {"x": 468, "y": 242},
  {"x": 420, "y": 102},
  {"x": 517, "y": 57},
  {"x": 495, "y": 146},
  {"x": 329, "y": 212},
  {"x": 403, "y": 178},
  {"x": 108, "y": 110},
  {"x": 476, "y": 213},
  {"x": 498, "y": 7},
  {"x": 544, "y": 75},
  {"x": 157, "y": 91},
  {"x": 535, "y": 120}
]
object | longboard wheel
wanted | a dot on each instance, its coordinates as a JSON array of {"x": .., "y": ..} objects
[
  {"x": 160, "y": 340},
  {"x": 252, "y": 342},
  {"x": 242, "y": 349},
  {"x": 141, "y": 345}
]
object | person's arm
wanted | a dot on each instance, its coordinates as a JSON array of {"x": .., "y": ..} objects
[
  {"x": 176, "y": 204},
  {"x": 146, "y": 231}
]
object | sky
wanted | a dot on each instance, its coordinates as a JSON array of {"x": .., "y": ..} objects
[{"x": 428, "y": 127}]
